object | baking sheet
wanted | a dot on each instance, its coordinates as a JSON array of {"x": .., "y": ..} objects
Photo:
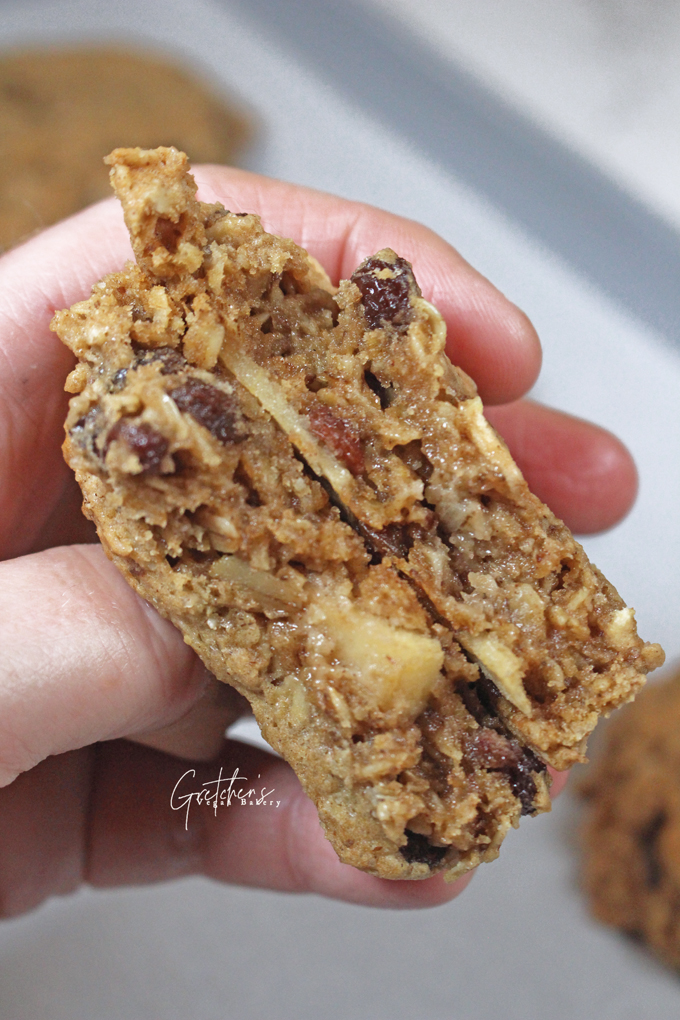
[{"x": 518, "y": 943}]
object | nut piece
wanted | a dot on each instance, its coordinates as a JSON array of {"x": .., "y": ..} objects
[
  {"x": 237, "y": 571},
  {"x": 502, "y": 666}
]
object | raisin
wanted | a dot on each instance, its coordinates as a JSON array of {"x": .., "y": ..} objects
[
  {"x": 342, "y": 437},
  {"x": 87, "y": 429},
  {"x": 497, "y": 753},
  {"x": 648, "y": 841},
  {"x": 210, "y": 407},
  {"x": 143, "y": 440},
  {"x": 494, "y": 748},
  {"x": 171, "y": 361},
  {"x": 392, "y": 540},
  {"x": 88, "y": 423},
  {"x": 522, "y": 781},
  {"x": 491, "y": 750},
  {"x": 419, "y": 850},
  {"x": 118, "y": 380},
  {"x": 469, "y": 695},
  {"x": 488, "y": 694},
  {"x": 386, "y": 289}
]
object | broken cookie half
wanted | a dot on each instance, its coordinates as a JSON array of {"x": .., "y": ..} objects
[{"x": 300, "y": 480}]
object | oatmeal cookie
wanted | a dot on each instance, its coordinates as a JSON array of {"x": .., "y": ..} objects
[
  {"x": 632, "y": 828},
  {"x": 60, "y": 109},
  {"x": 300, "y": 480}
]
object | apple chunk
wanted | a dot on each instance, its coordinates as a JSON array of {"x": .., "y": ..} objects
[{"x": 397, "y": 668}]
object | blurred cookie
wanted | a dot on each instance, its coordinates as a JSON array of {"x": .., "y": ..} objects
[
  {"x": 61, "y": 111},
  {"x": 632, "y": 831}
]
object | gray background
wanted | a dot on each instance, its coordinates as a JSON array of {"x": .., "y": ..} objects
[{"x": 592, "y": 256}]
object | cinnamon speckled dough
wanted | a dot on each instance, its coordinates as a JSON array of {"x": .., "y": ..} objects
[
  {"x": 632, "y": 827},
  {"x": 61, "y": 111},
  {"x": 299, "y": 479}
]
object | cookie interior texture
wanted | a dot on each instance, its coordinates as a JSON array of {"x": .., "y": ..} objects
[
  {"x": 301, "y": 481},
  {"x": 632, "y": 827},
  {"x": 60, "y": 109}
]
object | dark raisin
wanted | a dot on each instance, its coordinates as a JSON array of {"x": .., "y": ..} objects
[
  {"x": 143, "y": 440},
  {"x": 481, "y": 701},
  {"x": 488, "y": 693},
  {"x": 118, "y": 380},
  {"x": 386, "y": 289},
  {"x": 648, "y": 841},
  {"x": 521, "y": 778},
  {"x": 88, "y": 423},
  {"x": 87, "y": 429},
  {"x": 339, "y": 435},
  {"x": 419, "y": 850},
  {"x": 171, "y": 361},
  {"x": 393, "y": 540},
  {"x": 214, "y": 409},
  {"x": 494, "y": 748}
]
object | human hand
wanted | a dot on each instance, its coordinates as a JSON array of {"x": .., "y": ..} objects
[{"x": 87, "y": 663}]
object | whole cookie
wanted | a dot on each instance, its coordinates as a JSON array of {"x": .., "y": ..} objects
[
  {"x": 61, "y": 111},
  {"x": 632, "y": 830}
]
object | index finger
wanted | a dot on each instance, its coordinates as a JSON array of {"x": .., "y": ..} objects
[{"x": 52, "y": 270}]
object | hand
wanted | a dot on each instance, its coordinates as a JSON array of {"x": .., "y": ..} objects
[{"x": 85, "y": 662}]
